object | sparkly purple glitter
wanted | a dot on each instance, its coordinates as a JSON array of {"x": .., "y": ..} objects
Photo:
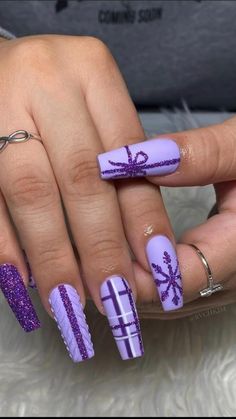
[
  {"x": 73, "y": 322},
  {"x": 171, "y": 279},
  {"x": 136, "y": 166},
  {"x": 16, "y": 294}
]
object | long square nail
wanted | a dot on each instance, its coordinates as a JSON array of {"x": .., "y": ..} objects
[
  {"x": 120, "y": 308},
  {"x": 68, "y": 312},
  {"x": 155, "y": 157},
  {"x": 15, "y": 292},
  {"x": 166, "y": 274}
]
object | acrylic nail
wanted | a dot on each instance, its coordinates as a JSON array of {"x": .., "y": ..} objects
[
  {"x": 15, "y": 292},
  {"x": 69, "y": 314},
  {"x": 166, "y": 274},
  {"x": 155, "y": 157},
  {"x": 120, "y": 308}
]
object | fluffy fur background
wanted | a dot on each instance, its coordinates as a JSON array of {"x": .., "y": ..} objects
[{"x": 189, "y": 368}]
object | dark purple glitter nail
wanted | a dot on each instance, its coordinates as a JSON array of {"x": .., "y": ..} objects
[{"x": 16, "y": 294}]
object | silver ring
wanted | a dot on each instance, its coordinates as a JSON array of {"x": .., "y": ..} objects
[
  {"x": 211, "y": 288},
  {"x": 20, "y": 136}
]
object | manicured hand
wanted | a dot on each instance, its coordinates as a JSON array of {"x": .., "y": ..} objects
[
  {"x": 69, "y": 91},
  {"x": 206, "y": 156}
]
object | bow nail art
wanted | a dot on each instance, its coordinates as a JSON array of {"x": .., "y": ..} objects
[{"x": 149, "y": 158}]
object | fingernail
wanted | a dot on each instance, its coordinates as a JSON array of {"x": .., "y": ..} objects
[
  {"x": 69, "y": 315},
  {"x": 15, "y": 292},
  {"x": 149, "y": 158},
  {"x": 119, "y": 306},
  {"x": 166, "y": 274}
]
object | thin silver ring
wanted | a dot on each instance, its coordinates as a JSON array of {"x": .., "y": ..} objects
[
  {"x": 20, "y": 136},
  {"x": 211, "y": 287}
]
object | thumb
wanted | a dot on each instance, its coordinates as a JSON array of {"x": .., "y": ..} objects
[{"x": 196, "y": 157}]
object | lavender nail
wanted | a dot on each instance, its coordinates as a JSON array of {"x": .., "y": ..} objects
[
  {"x": 119, "y": 305},
  {"x": 16, "y": 294},
  {"x": 165, "y": 268},
  {"x": 69, "y": 315},
  {"x": 149, "y": 158}
]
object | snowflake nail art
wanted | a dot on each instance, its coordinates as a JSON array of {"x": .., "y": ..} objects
[
  {"x": 170, "y": 280},
  {"x": 166, "y": 273}
]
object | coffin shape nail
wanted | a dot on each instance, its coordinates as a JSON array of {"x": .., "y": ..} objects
[
  {"x": 68, "y": 313},
  {"x": 16, "y": 294},
  {"x": 149, "y": 158},
  {"x": 166, "y": 274},
  {"x": 120, "y": 308}
]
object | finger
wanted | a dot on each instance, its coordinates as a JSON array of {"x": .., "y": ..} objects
[
  {"x": 214, "y": 238},
  {"x": 143, "y": 211},
  {"x": 195, "y": 157},
  {"x": 31, "y": 193},
  {"x": 94, "y": 216},
  {"x": 13, "y": 274}
]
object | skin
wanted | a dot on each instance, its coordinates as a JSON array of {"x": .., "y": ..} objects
[{"x": 70, "y": 91}]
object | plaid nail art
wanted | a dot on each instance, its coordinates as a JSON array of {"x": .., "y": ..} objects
[{"x": 119, "y": 305}]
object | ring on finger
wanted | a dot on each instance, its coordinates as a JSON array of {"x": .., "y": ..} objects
[{"x": 212, "y": 288}]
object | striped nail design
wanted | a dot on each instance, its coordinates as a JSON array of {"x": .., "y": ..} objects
[
  {"x": 166, "y": 274},
  {"x": 15, "y": 292},
  {"x": 155, "y": 157},
  {"x": 69, "y": 315},
  {"x": 119, "y": 305}
]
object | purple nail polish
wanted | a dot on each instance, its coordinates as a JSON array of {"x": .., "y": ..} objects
[
  {"x": 165, "y": 269},
  {"x": 119, "y": 305},
  {"x": 69, "y": 315},
  {"x": 16, "y": 294},
  {"x": 150, "y": 158}
]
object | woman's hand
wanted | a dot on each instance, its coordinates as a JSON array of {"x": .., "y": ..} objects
[
  {"x": 207, "y": 155},
  {"x": 70, "y": 92}
]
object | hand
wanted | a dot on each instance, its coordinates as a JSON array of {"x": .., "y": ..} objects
[
  {"x": 207, "y": 155},
  {"x": 70, "y": 92}
]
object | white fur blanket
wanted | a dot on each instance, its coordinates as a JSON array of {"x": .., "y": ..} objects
[{"x": 189, "y": 368}]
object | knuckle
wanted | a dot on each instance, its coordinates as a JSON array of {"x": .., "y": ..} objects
[
  {"x": 82, "y": 177},
  {"x": 107, "y": 249},
  {"x": 211, "y": 152},
  {"x": 31, "y": 49},
  {"x": 97, "y": 48},
  {"x": 97, "y": 59},
  {"x": 31, "y": 190},
  {"x": 37, "y": 58},
  {"x": 52, "y": 253}
]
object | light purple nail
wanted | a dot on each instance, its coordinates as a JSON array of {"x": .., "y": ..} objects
[
  {"x": 149, "y": 158},
  {"x": 165, "y": 269},
  {"x": 119, "y": 305},
  {"x": 15, "y": 292},
  {"x": 69, "y": 315}
]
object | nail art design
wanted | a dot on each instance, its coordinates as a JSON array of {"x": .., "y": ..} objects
[
  {"x": 119, "y": 305},
  {"x": 165, "y": 268},
  {"x": 69, "y": 315},
  {"x": 149, "y": 158},
  {"x": 16, "y": 294}
]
